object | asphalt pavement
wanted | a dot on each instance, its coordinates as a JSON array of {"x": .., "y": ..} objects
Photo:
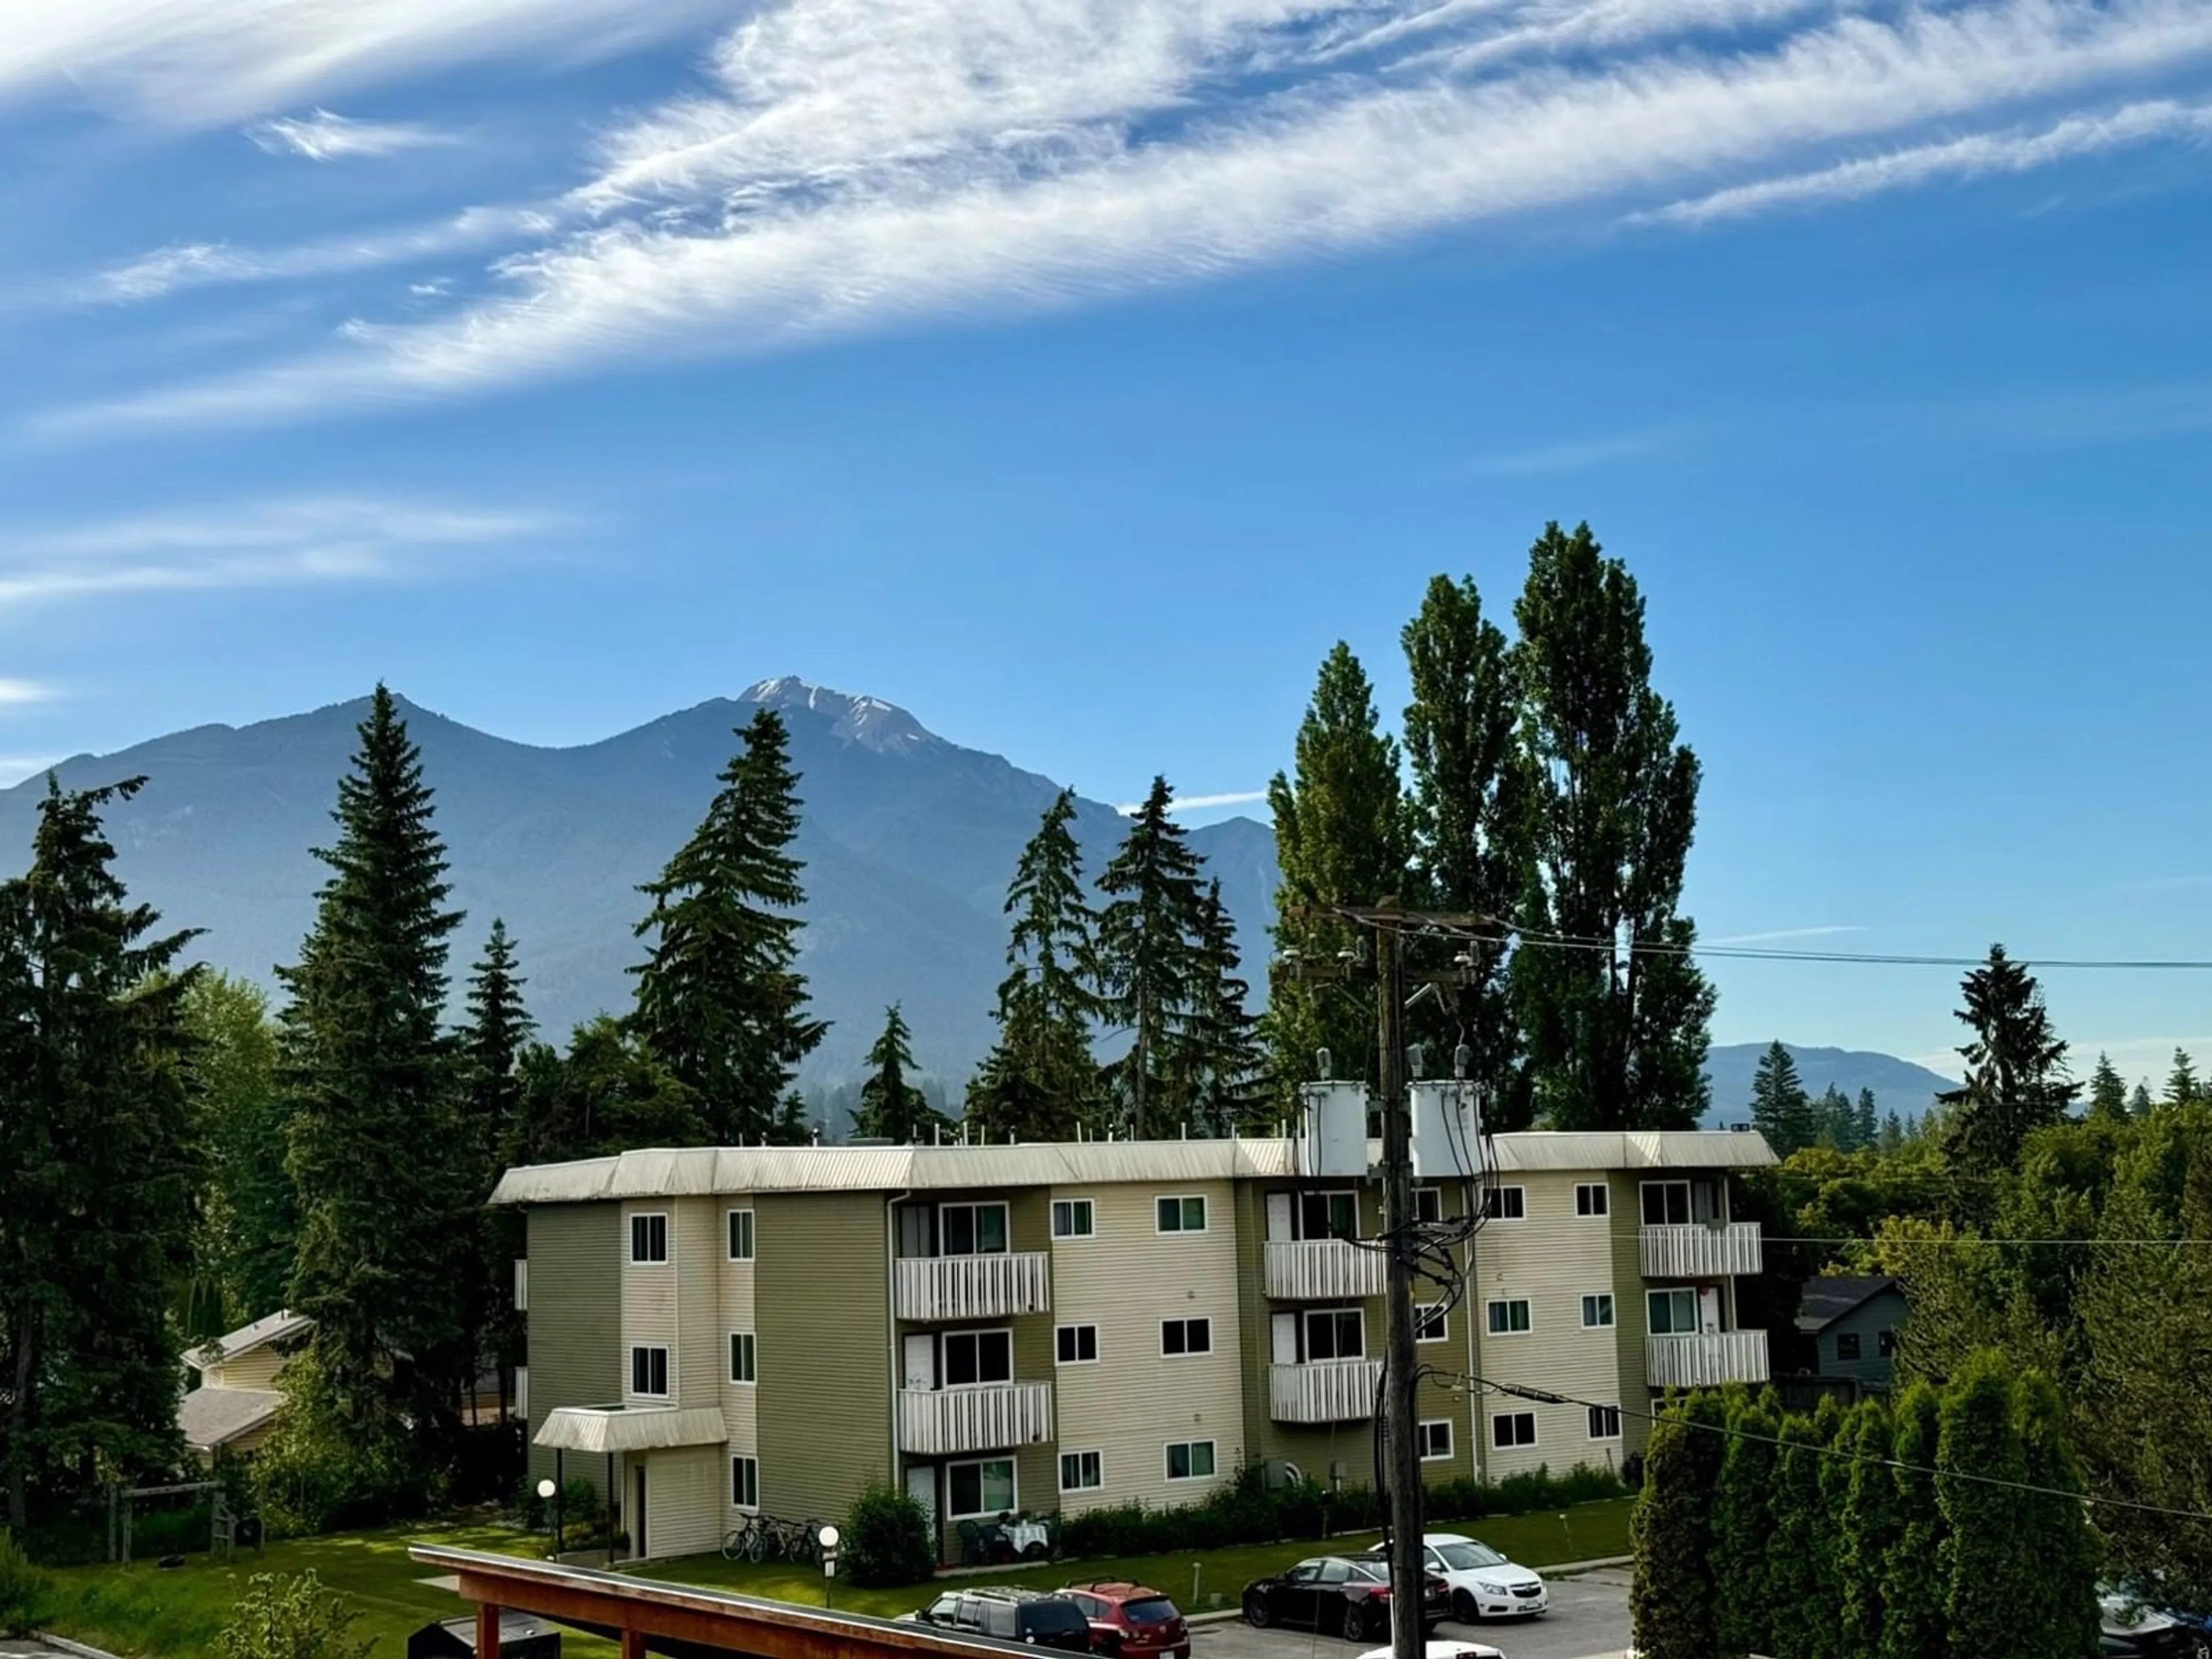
[{"x": 1588, "y": 1620}]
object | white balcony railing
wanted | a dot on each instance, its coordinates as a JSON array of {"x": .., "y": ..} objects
[
  {"x": 1327, "y": 1391},
  {"x": 1324, "y": 1270},
  {"x": 1700, "y": 1249},
  {"x": 974, "y": 1286},
  {"x": 942, "y": 1422},
  {"x": 1705, "y": 1361}
]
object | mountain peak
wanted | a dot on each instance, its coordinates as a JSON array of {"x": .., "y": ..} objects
[{"x": 868, "y": 721}]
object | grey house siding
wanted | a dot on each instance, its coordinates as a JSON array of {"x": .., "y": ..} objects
[
  {"x": 1884, "y": 1312},
  {"x": 574, "y": 1319}
]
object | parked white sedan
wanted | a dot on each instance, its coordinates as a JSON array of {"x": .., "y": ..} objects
[
  {"x": 1441, "y": 1648},
  {"x": 1484, "y": 1583}
]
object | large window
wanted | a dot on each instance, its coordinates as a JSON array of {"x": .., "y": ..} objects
[
  {"x": 1510, "y": 1429},
  {"x": 1597, "y": 1311},
  {"x": 1336, "y": 1333},
  {"x": 648, "y": 1372},
  {"x": 1082, "y": 1471},
  {"x": 1508, "y": 1316},
  {"x": 1180, "y": 1215},
  {"x": 1181, "y": 1337},
  {"x": 983, "y": 1487},
  {"x": 1430, "y": 1323},
  {"x": 1605, "y": 1422},
  {"x": 1075, "y": 1345},
  {"x": 1678, "y": 1203},
  {"x": 1428, "y": 1205},
  {"x": 741, "y": 1235},
  {"x": 1328, "y": 1215},
  {"x": 745, "y": 1483},
  {"x": 743, "y": 1360},
  {"x": 1591, "y": 1197},
  {"x": 1671, "y": 1313},
  {"x": 972, "y": 1228},
  {"x": 1190, "y": 1460},
  {"x": 974, "y": 1359},
  {"x": 1847, "y": 1345},
  {"x": 649, "y": 1240},
  {"x": 1074, "y": 1217},
  {"x": 1436, "y": 1439},
  {"x": 1506, "y": 1204}
]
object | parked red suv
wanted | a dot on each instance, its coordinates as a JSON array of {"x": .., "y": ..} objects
[{"x": 1130, "y": 1621}]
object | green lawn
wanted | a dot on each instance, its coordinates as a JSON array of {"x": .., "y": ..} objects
[{"x": 143, "y": 1612}]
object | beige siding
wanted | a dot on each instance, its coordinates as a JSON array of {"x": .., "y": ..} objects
[
  {"x": 1552, "y": 1258},
  {"x": 649, "y": 1299},
  {"x": 1630, "y": 1386},
  {"x": 254, "y": 1369},
  {"x": 702, "y": 1349},
  {"x": 575, "y": 1318},
  {"x": 734, "y": 1311},
  {"x": 1126, "y": 1280},
  {"x": 685, "y": 1497}
]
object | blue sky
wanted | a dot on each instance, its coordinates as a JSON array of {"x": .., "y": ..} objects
[{"x": 1075, "y": 372}]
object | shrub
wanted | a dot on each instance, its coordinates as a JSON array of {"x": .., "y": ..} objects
[
  {"x": 289, "y": 1616},
  {"x": 22, "y": 1587},
  {"x": 887, "y": 1539},
  {"x": 319, "y": 1471}
]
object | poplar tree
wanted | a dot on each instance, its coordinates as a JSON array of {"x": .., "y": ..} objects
[
  {"x": 1219, "y": 1065},
  {"x": 249, "y": 1213},
  {"x": 2108, "y": 1092},
  {"x": 1340, "y": 838},
  {"x": 891, "y": 1106},
  {"x": 2016, "y": 1080},
  {"x": 1039, "y": 1082},
  {"x": 1914, "y": 1586},
  {"x": 719, "y": 999},
  {"x": 1671, "y": 1602},
  {"x": 1615, "y": 1009},
  {"x": 1148, "y": 955},
  {"x": 377, "y": 1153},
  {"x": 1468, "y": 828}
]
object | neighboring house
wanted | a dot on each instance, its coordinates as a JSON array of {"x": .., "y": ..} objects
[
  {"x": 726, "y": 1331},
  {"x": 230, "y": 1409},
  {"x": 1853, "y": 1322}
]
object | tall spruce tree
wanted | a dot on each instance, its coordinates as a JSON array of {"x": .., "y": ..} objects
[
  {"x": 1780, "y": 1108},
  {"x": 1219, "y": 1067},
  {"x": 1671, "y": 1602},
  {"x": 719, "y": 998},
  {"x": 1148, "y": 950},
  {"x": 1892, "y": 1138},
  {"x": 99, "y": 1165},
  {"x": 1833, "y": 1115},
  {"x": 2139, "y": 1102},
  {"x": 1340, "y": 838},
  {"x": 2181, "y": 1085},
  {"x": 1038, "y": 1082},
  {"x": 1866, "y": 1123},
  {"x": 1469, "y": 828},
  {"x": 2108, "y": 1092},
  {"x": 2016, "y": 1079},
  {"x": 498, "y": 1028},
  {"x": 382, "y": 1171},
  {"x": 1616, "y": 1012},
  {"x": 891, "y": 1107}
]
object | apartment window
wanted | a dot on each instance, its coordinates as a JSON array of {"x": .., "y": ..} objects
[
  {"x": 1886, "y": 1344},
  {"x": 1190, "y": 1460},
  {"x": 745, "y": 1483},
  {"x": 1506, "y": 1204},
  {"x": 649, "y": 1240},
  {"x": 1180, "y": 1338},
  {"x": 1429, "y": 1323},
  {"x": 1074, "y": 1217},
  {"x": 972, "y": 1228},
  {"x": 977, "y": 1359},
  {"x": 1591, "y": 1199},
  {"x": 741, "y": 1235},
  {"x": 1083, "y": 1470},
  {"x": 1678, "y": 1203},
  {"x": 1076, "y": 1345},
  {"x": 1509, "y": 1317},
  {"x": 1605, "y": 1422},
  {"x": 648, "y": 1372},
  {"x": 1510, "y": 1429},
  {"x": 1336, "y": 1333},
  {"x": 1328, "y": 1215},
  {"x": 1180, "y": 1215},
  {"x": 1597, "y": 1311},
  {"x": 742, "y": 1358},
  {"x": 1847, "y": 1345},
  {"x": 1428, "y": 1205},
  {"x": 985, "y": 1486},
  {"x": 1435, "y": 1435},
  {"x": 1671, "y": 1313}
]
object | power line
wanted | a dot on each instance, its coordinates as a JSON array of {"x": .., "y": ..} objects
[{"x": 1969, "y": 1238}]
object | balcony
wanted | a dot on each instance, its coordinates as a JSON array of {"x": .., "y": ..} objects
[
  {"x": 945, "y": 1422},
  {"x": 1702, "y": 1249},
  {"x": 973, "y": 1287},
  {"x": 1327, "y": 1391},
  {"x": 1324, "y": 1270},
  {"x": 1705, "y": 1361}
]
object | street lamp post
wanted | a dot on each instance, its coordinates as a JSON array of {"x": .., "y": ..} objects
[
  {"x": 551, "y": 1488},
  {"x": 828, "y": 1538}
]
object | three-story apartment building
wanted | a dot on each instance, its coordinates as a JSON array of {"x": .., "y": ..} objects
[{"x": 725, "y": 1331}]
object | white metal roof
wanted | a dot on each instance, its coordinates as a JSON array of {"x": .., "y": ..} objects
[
  {"x": 693, "y": 1171},
  {"x": 209, "y": 1418},
  {"x": 603, "y": 1429},
  {"x": 270, "y": 1328}
]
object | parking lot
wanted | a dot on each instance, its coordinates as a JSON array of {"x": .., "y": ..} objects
[{"x": 1588, "y": 1620}]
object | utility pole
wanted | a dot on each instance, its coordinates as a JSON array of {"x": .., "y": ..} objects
[{"x": 1408, "y": 1568}]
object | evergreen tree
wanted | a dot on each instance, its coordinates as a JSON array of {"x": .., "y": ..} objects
[
  {"x": 1340, "y": 838},
  {"x": 1615, "y": 1019},
  {"x": 1988, "y": 1577},
  {"x": 249, "y": 1214},
  {"x": 376, "y": 1154},
  {"x": 1780, "y": 1109},
  {"x": 1833, "y": 1116},
  {"x": 1871, "y": 1523},
  {"x": 98, "y": 1164},
  {"x": 2060, "y": 1620},
  {"x": 1469, "y": 828},
  {"x": 1219, "y": 1065},
  {"x": 1914, "y": 1589},
  {"x": 2139, "y": 1103},
  {"x": 1672, "y": 1601},
  {"x": 2108, "y": 1092},
  {"x": 891, "y": 1106},
  {"x": 498, "y": 1028},
  {"x": 2016, "y": 1077},
  {"x": 609, "y": 1093},
  {"x": 1147, "y": 965},
  {"x": 1893, "y": 1137},
  {"x": 1794, "y": 1575},
  {"x": 1038, "y": 1082},
  {"x": 719, "y": 999},
  {"x": 1865, "y": 1122},
  {"x": 1743, "y": 1520},
  {"x": 2181, "y": 1084}
]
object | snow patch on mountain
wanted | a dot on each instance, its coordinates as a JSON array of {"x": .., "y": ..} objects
[{"x": 868, "y": 721}]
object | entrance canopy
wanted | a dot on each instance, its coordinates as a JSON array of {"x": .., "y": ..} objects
[{"x": 606, "y": 1430}]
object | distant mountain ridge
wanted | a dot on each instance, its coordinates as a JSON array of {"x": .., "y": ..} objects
[
  {"x": 909, "y": 840},
  {"x": 1897, "y": 1085}
]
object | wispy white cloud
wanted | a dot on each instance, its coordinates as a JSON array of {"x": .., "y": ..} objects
[
  {"x": 324, "y": 136},
  {"x": 1199, "y": 803},
  {"x": 853, "y": 165},
  {"x": 307, "y": 541},
  {"x": 14, "y": 694},
  {"x": 1780, "y": 935},
  {"x": 201, "y": 264},
  {"x": 1579, "y": 455}
]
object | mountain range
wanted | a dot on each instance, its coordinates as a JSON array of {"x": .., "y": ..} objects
[{"x": 1896, "y": 1083}]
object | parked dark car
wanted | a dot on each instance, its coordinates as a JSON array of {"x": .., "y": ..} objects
[
  {"x": 1131, "y": 1620},
  {"x": 1348, "y": 1595},
  {"x": 2133, "y": 1629},
  {"x": 1035, "y": 1618}
]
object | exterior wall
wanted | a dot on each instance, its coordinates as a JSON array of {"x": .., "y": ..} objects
[
  {"x": 702, "y": 1359},
  {"x": 1634, "y": 1390},
  {"x": 1029, "y": 1227},
  {"x": 1438, "y": 1399},
  {"x": 1124, "y": 1279},
  {"x": 256, "y": 1368},
  {"x": 683, "y": 1511},
  {"x": 575, "y": 1318},
  {"x": 735, "y": 1309},
  {"x": 1884, "y": 1312},
  {"x": 823, "y": 1284},
  {"x": 649, "y": 1298}
]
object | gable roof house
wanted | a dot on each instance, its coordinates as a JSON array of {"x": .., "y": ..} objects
[
  {"x": 235, "y": 1400},
  {"x": 1852, "y": 1320}
]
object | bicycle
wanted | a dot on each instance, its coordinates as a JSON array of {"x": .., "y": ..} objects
[{"x": 746, "y": 1541}]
